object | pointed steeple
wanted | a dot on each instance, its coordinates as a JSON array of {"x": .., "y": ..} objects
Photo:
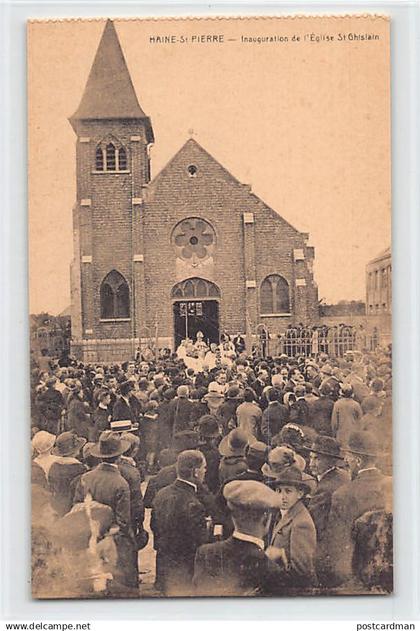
[{"x": 109, "y": 91}]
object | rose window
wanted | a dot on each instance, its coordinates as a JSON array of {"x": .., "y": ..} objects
[{"x": 193, "y": 240}]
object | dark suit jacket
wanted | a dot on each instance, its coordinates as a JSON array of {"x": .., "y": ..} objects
[
  {"x": 367, "y": 492},
  {"x": 320, "y": 413},
  {"x": 274, "y": 418},
  {"x": 212, "y": 457},
  {"x": 100, "y": 423},
  {"x": 178, "y": 523},
  {"x": 78, "y": 417},
  {"x": 164, "y": 425},
  {"x": 320, "y": 502},
  {"x": 62, "y": 478},
  {"x": 299, "y": 412},
  {"x": 131, "y": 474},
  {"x": 373, "y": 552},
  {"x": 180, "y": 411},
  {"x": 122, "y": 411},
  {"x": 106, "y": 485},
  {"x": 166, "y": 476},
  {"x": 227, "y": 413},
  {"x": 296, "y": 534},
  {"x": 50, "y": 404},
  {"x": 235, "y": 568}
]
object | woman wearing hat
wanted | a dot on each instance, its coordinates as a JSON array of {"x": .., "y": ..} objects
[
  {"x": 42, "y": 443},
  {"x": 78, "y": 412},
  {"x": 65, "y": 472},
  {"x": 232, "y": 449},
  {"x": 227, "y": 410},
  {"x": 213, "y": 399},
  {"x": 294, "y": 533}
]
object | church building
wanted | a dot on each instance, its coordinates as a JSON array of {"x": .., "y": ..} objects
[{"x": 192, "y": 249}]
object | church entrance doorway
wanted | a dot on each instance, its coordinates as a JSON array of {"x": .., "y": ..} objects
[
  {"x": 196, "y": 308},
  {"x": 192, "y": 316}
]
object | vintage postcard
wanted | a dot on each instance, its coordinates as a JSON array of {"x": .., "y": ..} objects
[{"x": 210, "y": 306}]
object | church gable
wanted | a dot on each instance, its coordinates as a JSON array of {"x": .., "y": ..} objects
[
  {"x": 193, "y": 170},
  {"x": 193, "y": 173}
]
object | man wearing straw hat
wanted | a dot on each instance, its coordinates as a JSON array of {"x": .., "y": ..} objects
[{"x": 369, "y": 490}]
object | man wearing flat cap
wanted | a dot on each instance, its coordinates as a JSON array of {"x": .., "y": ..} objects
[
  {"x": 369, "y": 490},
  {"x": 326, "y": 464},
  {"x": 238, "y": 566}
]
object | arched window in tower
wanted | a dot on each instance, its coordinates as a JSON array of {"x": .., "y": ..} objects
[
  {"x": 111, "y": 156},
  {"x": 111, "y": 161},
  {"x": 99, "y": 159},
  {"x": 274, "y": 295},
  {"x": 114, "y": 297}
]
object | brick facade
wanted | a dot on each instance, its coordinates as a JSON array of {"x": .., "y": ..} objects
[{"x": 124, "y": 223}]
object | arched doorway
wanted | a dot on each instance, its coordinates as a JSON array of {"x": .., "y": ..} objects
[{"x": 196, "y": 308}]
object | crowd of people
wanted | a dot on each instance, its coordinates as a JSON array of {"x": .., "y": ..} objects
[{"x": 249, "y": 475}]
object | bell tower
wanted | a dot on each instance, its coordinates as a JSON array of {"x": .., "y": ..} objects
[{"x": 114, "y": 136}]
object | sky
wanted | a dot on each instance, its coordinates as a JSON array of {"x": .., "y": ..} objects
[{"x": 306, "y": 123}]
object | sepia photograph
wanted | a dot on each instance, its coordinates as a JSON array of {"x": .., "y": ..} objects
[{"x": 210, "y": 307}]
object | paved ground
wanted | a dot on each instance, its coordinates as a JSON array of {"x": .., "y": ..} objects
[{"x": 147, "y": 563}]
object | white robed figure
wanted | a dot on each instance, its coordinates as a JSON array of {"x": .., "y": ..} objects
[{"x": 227, "y": 352}]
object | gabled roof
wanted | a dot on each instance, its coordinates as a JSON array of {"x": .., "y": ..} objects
[
  {"x": 382, "y": 255},
  {"x": 192, "y": 149},
  {"x": 109, "y": 91}
]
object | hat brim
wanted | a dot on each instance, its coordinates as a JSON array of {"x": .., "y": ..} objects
[
  {"x": 136, "y": 428},
  {"x": 225, "y": 449},
  {"x": 268, "y": 471},
  {"x": 302, "y": 486},
  {"x": 359, "y": 452},
  {"x": 214, "y": 434},
  {"x": 80, "y": 442},
  {"x": 213, "y": 395},
  {"x": 123, "y": 447},
  {"x": 323, "y": 453}
]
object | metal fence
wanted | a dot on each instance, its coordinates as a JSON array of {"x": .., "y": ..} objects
[{"x": 306, "y": 343}]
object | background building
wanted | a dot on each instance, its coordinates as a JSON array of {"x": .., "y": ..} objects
[
  {"x": 194, "y": 249},
  {"x": 379, "y": 292}
]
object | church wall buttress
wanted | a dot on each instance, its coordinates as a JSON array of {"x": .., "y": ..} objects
[
  {"x": 251, "y": 303},
  {"x": 139, "y": 177}
]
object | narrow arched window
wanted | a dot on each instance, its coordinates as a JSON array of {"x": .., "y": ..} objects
[
  {"x": 107, "y": 301},
  {"x": 266, "y": 297},
  {"x": 122, "y": 159},
  {"x": 122, "y": 301},
  {"x": 111, "y": 162},
  {"x": 99, "y": 159},
  {"x": 274, "y": 295},
  {"x": 111, "y": 156},
  {"x": 114, "y": 297}
]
